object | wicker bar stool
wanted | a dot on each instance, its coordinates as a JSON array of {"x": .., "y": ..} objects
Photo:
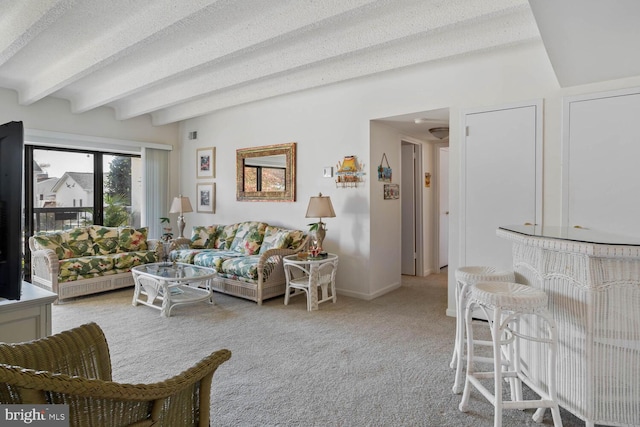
[
  {"x": 508, "y": 303},
  {"x": 465, "y": 277}
]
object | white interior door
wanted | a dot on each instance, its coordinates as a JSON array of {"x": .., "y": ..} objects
[
  {"x": 443, "y": 206},
  {"x": 601, "y": 151},
  {"x": 501, "y": 183}
]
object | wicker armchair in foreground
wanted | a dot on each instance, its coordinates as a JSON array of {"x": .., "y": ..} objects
[{"x": 74, "y": 368}]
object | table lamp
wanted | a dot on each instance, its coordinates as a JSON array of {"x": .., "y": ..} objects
[
  {"x": 181, "y": 205},
  {"x": 320, "y": 207}
]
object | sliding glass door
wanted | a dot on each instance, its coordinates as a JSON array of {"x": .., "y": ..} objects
[{"x": 72, "y": 188}]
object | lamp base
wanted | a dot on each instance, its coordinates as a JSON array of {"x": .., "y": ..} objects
[
  {"x": 181, "y": 225},
  {"x": 321, "y": 232}
]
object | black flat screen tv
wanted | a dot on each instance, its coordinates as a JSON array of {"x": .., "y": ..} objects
[{"x": 11, "y": 220}]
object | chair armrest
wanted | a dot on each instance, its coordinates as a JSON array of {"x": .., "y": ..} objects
[
  {"x": 124, "y": 401},
  {"x": 45, "y": 264},
  {"x": 87, "y": 387}
]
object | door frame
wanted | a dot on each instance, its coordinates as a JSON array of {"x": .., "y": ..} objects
[
  {"x": 436, "y": 212},
  {"x": 418, "y": 200}
]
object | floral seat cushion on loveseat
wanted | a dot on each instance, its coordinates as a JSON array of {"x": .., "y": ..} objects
[{"x": 93, "y": 251}]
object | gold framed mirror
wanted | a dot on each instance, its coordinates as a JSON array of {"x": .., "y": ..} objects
[{"x": 267, "y": 173}]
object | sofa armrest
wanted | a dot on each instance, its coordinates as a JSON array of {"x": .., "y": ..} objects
[
  {"x": 45, "y": 267},
  {"x": 180, "y": 241}
]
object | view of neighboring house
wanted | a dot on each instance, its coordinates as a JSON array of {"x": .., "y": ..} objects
[{"x": 74, "y": 189}]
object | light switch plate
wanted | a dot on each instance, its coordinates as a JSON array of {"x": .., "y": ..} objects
[{"x": 327, "y": 172}]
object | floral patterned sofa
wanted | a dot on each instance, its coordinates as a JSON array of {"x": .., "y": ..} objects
[
  {"x": 87, "y": 260},
  {"x": 247, "y": 255}
]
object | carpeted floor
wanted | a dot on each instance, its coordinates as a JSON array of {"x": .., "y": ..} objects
[{"x": 354, "y": 363}]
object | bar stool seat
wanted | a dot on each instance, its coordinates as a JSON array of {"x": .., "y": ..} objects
[
  {"x": 465, "y": 277},
  {"x": 509, "y": 302}
]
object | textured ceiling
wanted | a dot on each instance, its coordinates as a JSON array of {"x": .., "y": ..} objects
[{"x": 176, "y": 60}]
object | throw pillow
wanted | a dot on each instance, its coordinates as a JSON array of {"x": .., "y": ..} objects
[
  {"x": 203, "y": 236},
  {"x": 131, "y": 239},
  {"x": 105, "y": 239},
  {"x": 275, "y": 238},
  {"x": 248, "y": 237}
]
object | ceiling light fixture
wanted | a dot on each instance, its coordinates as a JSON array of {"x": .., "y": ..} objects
[{"x": 440, "y": 133}]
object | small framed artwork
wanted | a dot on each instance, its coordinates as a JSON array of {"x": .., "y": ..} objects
[
  {"x": 206, "y": 197},
  {"x": 391, "y": 191},
  {"x": 206, "y": 162}
]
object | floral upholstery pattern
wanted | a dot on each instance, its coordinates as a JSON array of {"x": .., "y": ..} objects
[
  {"x": 105, "y": 239},
  {"x": 275, "y": 238},
  {"x": 132, "y": 240},
  {"x": 238, "y": 248},
  {"x": 85, "y": 265},
  {"x": 52, "y": 241},
  {"x": 126, "y": 260},
  {"x": 78, "y": 242},
  {"x": 248, "y": 237},
  {"x": 246, "y": 266},
  {"x": 297, "y": 237},
  {"x": 184, "y": 255},
  {"x": 93, "y": 251},
  {"x": 225, "y": 235},
  {"x": 213, "y": 258},
  {"x": 203, "y": 236}
]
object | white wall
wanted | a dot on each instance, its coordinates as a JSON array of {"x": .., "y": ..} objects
[
  {"x": 331, "y": 122},
  {"x": 53, "y": 114}
]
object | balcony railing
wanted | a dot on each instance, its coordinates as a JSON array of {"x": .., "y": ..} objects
[{"x": 52, "y": 219}]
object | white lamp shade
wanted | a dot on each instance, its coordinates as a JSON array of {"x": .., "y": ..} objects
[
  {"x": 320, "y": 207},
  {"x": 180, "y": 204}
]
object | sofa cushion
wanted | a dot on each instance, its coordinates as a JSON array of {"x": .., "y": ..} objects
[
  {"x": 126, "y": 260},
  {"x": 82, "y": 266},
  {"x": 105, "y": 239},
  {"x": 85, "y": 276},
  {"x": 132, "y": 239},
  {"x": 246, "y": 266},
  {"x": 225, "y": 235},
  {"x": 52, "y": 241},
  {"x": 297, "y": 237},
  {"x": 203, "y": 236},
  {"x": 78, "y": 242},
  {"x": 213, "y": 258},
  {"x": 275, "y": 238},
  {"x": 184, "y": 255},
  {"x": 248, "y": 237}
]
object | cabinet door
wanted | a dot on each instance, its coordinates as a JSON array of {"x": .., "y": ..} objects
[
  {"x": 601, "y": 177},
  {"x": 501, "y": 179}
]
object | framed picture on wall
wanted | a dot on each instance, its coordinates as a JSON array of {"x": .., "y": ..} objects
[
  {"x": 391, "y": 191},
  {"x": 206, "y": 197},
  {"x": 206, "y": 162}
]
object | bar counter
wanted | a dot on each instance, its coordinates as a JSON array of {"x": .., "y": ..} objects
[{"x": 593, "y": 283}]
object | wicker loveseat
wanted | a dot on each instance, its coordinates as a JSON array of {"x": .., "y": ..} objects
[
  {"x": 247, "y": 255},
  {"x": 87, "y": 260},
  {"x": 74, "y": 368}
]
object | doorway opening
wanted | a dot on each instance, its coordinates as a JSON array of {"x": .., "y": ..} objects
[{"x": 428, "y": 179}]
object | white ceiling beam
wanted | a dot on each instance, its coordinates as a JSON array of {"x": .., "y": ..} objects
[
  {"x": 92, "y": 54},
  {"x": 258, "y": 31},
  {"x": 516, "y": 28},
  {"x": 22, "y": 21},
  {"x": 329, "y": 42}
]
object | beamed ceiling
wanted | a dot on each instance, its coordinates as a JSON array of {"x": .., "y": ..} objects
[{"x": 176, "y": 60}]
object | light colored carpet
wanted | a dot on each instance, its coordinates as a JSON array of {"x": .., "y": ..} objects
[{"x": 354, "y": 363}]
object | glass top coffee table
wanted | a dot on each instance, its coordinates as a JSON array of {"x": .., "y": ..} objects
[{"x": 164, "y": 286}]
